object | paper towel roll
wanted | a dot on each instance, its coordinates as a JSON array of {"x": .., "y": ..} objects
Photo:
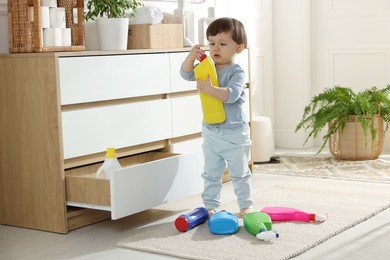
[
  {"x": 45, "y": 16},
  {"x": 52, "y": 37},
  {"x": 49, "y": 3},
  {"x": 262, "y": 139},
  {"x": 66, "y": 36},
  {"x": 57, "y": 17}
]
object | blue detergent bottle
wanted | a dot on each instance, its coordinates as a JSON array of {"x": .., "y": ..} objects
[
  {"x": 192, "y": 219},
  {"x": 223, "y": 223}
]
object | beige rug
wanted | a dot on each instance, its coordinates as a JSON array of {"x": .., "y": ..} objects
[
  {"x": 324, "y": 166},
  {"x": 346, "y": 205}
]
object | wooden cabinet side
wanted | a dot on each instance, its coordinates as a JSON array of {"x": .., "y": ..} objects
[{"x": 32, "y": 183}]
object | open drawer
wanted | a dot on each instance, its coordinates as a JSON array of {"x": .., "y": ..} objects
[{"x": 145, "y": 181}]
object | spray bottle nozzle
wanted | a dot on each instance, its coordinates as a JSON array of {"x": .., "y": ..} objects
[
  {"x": 320, "y": 218},
  {"x": 267, "y": 235}
]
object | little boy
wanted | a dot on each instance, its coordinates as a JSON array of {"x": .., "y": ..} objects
[{"x": 227, "y": 143}]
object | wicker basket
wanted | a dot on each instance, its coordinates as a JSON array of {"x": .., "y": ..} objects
[
  {"x": 26, "y": 36},
  {"x": 352, "y": 144}
]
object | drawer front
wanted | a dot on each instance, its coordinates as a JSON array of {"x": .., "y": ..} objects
[
  {"x": 96, "y": 78},
  {"x": 90, "y": 131},
  {"x": 132, "y": 189},
  {"x": 148, "y": 185},
  {"x": 178, "y": 84},
  {"x": 187, "y": 146},
  {"x": 186, "y": 115}
]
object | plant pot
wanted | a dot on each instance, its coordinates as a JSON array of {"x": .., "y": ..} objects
[
  {"x": 352, "y": 144},
  {"x": 112, "y": 33}
]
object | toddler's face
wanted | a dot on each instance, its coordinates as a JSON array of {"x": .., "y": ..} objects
[{"x": 223, "y": 49}]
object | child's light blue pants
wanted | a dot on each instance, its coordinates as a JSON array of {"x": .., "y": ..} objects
[{"x": 221, "y": 148}]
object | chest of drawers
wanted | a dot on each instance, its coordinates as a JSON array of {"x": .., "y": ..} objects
[{"x": 60, "y": 111}]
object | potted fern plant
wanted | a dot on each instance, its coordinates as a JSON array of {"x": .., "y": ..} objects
[
  {"x": 112, "y": 21},
  {"x": 355, "y": 122}
]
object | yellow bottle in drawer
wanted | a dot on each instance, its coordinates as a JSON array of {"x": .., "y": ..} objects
[{"x": 213, "y": 109}]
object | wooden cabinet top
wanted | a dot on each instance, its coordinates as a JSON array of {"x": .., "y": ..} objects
[{"x": 93, "y": 53}]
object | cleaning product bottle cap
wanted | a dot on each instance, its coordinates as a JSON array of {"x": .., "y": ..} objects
[
  {"x": 181, "y": 224},
  {"x": 204, "y": 56},
  {"x": 321, "y": 218},
  {"x": 110, "y": 153}
]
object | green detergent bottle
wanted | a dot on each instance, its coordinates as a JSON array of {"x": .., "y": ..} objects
[{"x": 259, "y": 224}]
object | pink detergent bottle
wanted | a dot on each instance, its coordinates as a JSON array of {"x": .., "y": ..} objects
[{"x": 290, "y": 214}]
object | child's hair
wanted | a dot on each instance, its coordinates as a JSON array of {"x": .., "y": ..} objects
[{"x": 226, "y": 24}]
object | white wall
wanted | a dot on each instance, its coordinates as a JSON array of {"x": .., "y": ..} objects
[
  {"x": 319, "y": 44},
  {"x": 292, "y": 68},
  {"x": 351, "y": 45}
]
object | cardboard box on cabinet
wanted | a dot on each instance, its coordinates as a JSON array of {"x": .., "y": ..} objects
[{"x": 155, "y": 36}]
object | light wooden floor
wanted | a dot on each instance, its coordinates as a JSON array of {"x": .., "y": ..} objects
[{"x": 369, "y": 240}]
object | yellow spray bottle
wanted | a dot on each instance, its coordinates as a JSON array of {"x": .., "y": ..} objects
[{"x": 213, "y": 109}]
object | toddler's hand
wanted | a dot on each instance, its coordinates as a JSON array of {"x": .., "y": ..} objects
[
  {"x": 196, "y": 52},
  {"x": 204, "y": 86}
]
